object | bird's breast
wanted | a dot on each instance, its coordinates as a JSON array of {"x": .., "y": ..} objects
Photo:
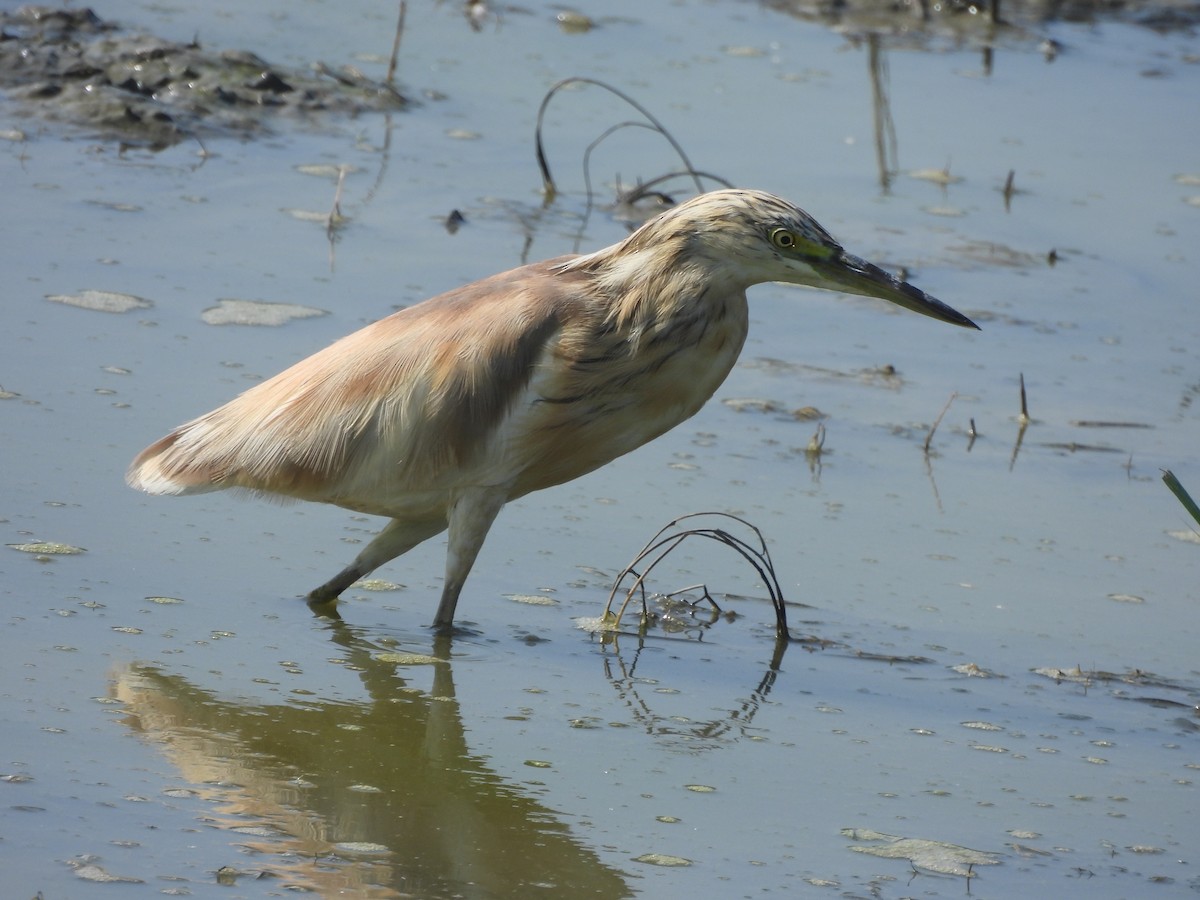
[{"x": 584, "y": 409}]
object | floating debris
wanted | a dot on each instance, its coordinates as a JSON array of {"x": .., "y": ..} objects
[
  {"x": 406, "y": 659},
  {"x": 936, "y": 856},
  {"x": 48, "y": 548},
  {"x": 1126, "y": 598},
  {"x": 937, "y": 176},
  {"x": 606, "y": 623},
  {"x": 86, "y": 867},
  {"x": 972, "y": 670},
  {"x": 753, "y": 404},
  {"x": 257, "y": 312},
  {"x": 572, "y": 21},
  {"x": 1027, "y": 851},
  {"x": 115, "y": 205},
  {"x": 532, "y": 599},
  {"x": 101, "y": 301},
  {"x": 662, "y": 859},
  {"x": 377, "y": 584},
  {"x": 745, "y": 52},
  {"x": 308, "y": 215},
  {"x": 1075, "y": 674}
]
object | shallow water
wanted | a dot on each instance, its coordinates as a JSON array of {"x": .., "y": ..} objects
[{"x": 232, "y": 729}]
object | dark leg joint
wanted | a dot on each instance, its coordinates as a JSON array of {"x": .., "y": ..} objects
[{"x": 333, "y": 588}]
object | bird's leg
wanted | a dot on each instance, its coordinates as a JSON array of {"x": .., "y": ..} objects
[
  {"x": 399, "y": 536},
  {"x": 333, "y": 588},
  {"x": 471, "y": 517}
]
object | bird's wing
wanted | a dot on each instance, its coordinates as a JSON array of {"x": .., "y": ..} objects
[{"x": 403, "y": 405}]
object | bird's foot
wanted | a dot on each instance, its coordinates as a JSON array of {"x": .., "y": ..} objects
[{"x": 323, "y": 606}]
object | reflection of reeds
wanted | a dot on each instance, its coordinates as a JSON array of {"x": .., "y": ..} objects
[
  {"x": 390, "y": 79},
  {"x": 734, "y": 720},
  {"x": 1023, "y": 421},
  {"x": 886, "y": 153}
]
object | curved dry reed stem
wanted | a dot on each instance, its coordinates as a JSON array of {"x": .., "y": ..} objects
[
  {"x": 548, "y": 186},
  {"x": 661, "y": 546}
]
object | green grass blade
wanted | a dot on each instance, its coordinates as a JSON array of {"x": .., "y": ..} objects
[{"x": 1180, "y": 491}]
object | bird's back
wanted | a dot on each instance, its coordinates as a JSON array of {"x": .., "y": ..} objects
[{"x": 402, "y": 405}]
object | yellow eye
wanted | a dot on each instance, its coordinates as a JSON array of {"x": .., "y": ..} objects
[{"x": 783, "y": 239}]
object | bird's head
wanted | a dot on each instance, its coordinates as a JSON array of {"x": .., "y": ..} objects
[{"x": 751, "y": 237}]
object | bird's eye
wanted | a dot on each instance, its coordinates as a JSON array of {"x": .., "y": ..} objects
[{"x": 783, "y": 239}]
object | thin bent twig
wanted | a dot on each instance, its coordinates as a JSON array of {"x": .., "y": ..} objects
[
  {"x": 548, "y": 186},
  {"x": 661, "y": 545}
]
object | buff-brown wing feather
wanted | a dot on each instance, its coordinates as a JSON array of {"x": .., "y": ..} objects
[{"x": 405, "y": 404}]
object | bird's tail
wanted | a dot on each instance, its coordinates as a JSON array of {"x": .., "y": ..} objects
[{"x": 166, "y": 467}]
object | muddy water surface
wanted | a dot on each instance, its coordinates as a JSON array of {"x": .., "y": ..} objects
[{"x": 998, "y": 679}]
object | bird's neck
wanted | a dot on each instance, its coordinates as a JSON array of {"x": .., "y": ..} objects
[{"x": 650, "y": 288}]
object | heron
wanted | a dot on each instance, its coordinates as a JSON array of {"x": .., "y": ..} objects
[{"x": 439, "y": 414}]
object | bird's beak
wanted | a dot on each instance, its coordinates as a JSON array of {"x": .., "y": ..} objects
[{"x": 852, "y": 275}]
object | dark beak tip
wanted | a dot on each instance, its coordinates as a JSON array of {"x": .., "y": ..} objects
[{"x": 939, "y": 310}]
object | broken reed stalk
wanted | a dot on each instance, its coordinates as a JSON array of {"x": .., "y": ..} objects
[
  {"x": 335, "y": 217},
  {"x": 660, "y": 547},
  {"x": 1181, "y": 493},
  {"x": 642, "y": 188},
  {"x": 391, "y": 69},
  {"x": 1023, "y": 421},
  {"x": 645, "y": 188},
  {"x": 937, "y": 422},
  {"x": 816, "y": 443},
  {"x": 548, "y": 186},
  {"x": 587, "y": 155}
]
